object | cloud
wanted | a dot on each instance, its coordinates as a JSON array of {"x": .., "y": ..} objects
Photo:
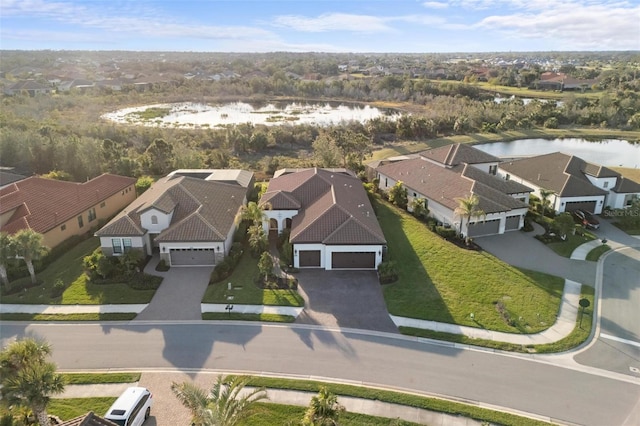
[
  {"x": 333, "y": 22},
  {"x": 435, "y": 5},
  {"x": 573, "y": 25}
]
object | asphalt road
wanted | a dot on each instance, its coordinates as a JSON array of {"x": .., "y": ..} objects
[{"x": 528, "y": 384}]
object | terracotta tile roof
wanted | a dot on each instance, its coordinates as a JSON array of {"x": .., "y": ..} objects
[
  {"x": 561, "y": 173},
  {"x": 334, "y": 209},
  {"x": 203, "y": 210},
  {"x": 280, "y": 200},
  {"x": 445, "y": 185},
  {"x": 89, "y": 419},
  {"x": 452, "y": 155},
  {"x": 42, "y": 204}
]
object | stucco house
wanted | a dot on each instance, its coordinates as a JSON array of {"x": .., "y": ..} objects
[
  {"x": 576, "y": 184},
  {"x": 332, "y": 223},
  {"x": 59, "y": 209},
  {"x": 187, "y": 216},
  {"x": 444, "y": 175}
]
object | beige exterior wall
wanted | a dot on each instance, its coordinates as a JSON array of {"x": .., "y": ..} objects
[{"x": 112, "y": 206}]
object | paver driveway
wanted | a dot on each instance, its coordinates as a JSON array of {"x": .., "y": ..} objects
[{"x": 348, "y": 299}]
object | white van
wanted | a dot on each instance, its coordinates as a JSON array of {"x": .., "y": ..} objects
[{"x": 131, "y": 408}]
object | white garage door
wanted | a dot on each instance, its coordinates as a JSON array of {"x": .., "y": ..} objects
[{"x": 192, "y": 257}]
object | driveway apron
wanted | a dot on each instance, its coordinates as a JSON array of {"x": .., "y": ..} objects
[
  {"x": 179, "y": 296},
  {"x": 346, "y": 299}
]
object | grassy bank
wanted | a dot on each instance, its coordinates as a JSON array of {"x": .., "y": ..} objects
[{"x": 442, "y": 282}]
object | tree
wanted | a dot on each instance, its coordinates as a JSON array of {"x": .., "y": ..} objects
[
  {"x": 7, "y": 254},
  {"x": 254, "y": 212},
  {"x": 143, "y": 183},
  {"x": 28, "y": 379},
  {"x": 323, "y": 410},
  {"x": 257, "y": 239},
  {"x": 325, "y": 151},
  {"x": 563, "y": 224},
  {"x": 468, "y": 207},
  {"x": 544, "y": 199},
  {"x": 29, "y": 246},
  {"x": 398, "y": 195},
  {"x": 419, "y": 207},
  {"x": 223, "y": 405},
  {"x": 158, "y": 157},
  {"x": 265, "y": 265}
]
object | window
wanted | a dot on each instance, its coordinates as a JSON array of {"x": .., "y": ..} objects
[
  {"x": 606, "y": 185},
  {"x": 154, "y": 220},
  {"x": 80, "y": 221},
  {"x": 92, "y": 214},
  {"x": 102, "y": 204},
  {"x": 117, "y": 245},
  {"x": 493, "y": 170},
  {"x": 126, "y": 242},
  {"x": 63, "y": 227},
  {"x": 507, "y": 176}
]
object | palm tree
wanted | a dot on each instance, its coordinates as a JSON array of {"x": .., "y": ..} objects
[
  {"x": 7, "y": 254},
  {"x": 323, "y": 410},
  {"x": 468, "y": 208},
  {"x": 544, "y": 198},
  {"x": 257, "y": 239},
  {"x": 253, "y": 212},
  {"x": 28, "y": 379},
  {"x": 223, "y": 405},
  {"x": 29, "y": 246}
]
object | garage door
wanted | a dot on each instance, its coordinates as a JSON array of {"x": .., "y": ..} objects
[
  {"x": 488, "y": 227},
  {"x": 353, "y": 260},
  {"x": 589, "y": 206},
  {"x": 512, "y": 223},
  {"x": 309, "y": 258},
  {"x": 192, "y": 257}
]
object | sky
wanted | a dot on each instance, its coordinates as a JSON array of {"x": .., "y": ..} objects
[{"x": 321, "y": 25}]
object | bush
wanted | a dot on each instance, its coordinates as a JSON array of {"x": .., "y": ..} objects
[
  {"x": 142, "y": 281},
  {"x": 225, "y": 268},
  {"x": 387, "y": 272},
  {"x": 162, "y": 266},
  {"x": 446, "y": 233},
  {"x": 58, "y": 288}
]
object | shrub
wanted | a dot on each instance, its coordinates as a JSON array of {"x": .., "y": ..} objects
[
  {"x": 162, "y": 266},
  {"x": 387, "y": 272},
  {"x": 446, "y": 233},
  {"x": 58, "y": 288},
  {"x": 142, "y": 281}
]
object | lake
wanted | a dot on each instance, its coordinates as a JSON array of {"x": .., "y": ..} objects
[
  {"x": 200, "y": 115},
  {"x": 608, "y": 152}
]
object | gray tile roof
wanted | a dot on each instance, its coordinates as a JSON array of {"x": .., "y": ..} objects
[
  {"x": 335, "y": 208},
  {"x": 203, "y": 210},
  {"x": 452, "y": 155},
  {"x": 561, "y": 173},
  {"x": 445, "y": 185}
]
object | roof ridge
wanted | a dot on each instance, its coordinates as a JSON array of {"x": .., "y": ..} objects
[{"x": 318, "y": 217}]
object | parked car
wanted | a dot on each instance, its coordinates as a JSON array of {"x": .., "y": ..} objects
[
  {"x": 131, "y": 408},
  {"x": 587, "y": 219}
]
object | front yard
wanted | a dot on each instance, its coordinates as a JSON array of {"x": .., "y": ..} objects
[
  {"x": 79, "y": 290},
  {"x": 442, "y": 282}
]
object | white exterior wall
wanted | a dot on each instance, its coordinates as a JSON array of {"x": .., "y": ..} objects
[
  {"x": 164, "y": 220},
  {"x": 560, "y": 202},
  {"x": 603, "y": 183},
  {"x": 386, "y": 182},
  {"x": 166, "y": 247},
  {"x": 619, "y": 201},
  {"x": 229, "y": 240},
  {"x": 522, "y": 195}
]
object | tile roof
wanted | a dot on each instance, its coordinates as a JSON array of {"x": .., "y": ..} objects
[
  {"x": 7, "y": 177},
  {"x": 452, "y": 155},
  {"x": 203, "y": 210},
  {"x": 626, "y": 186},
  {"x": 42, "y": 204},
  {"x": 334, "y": 207},
  {"x": 561, "y": 173},
  {"x": 445, "y": 185},
  {"x": 89, "y": 419}
]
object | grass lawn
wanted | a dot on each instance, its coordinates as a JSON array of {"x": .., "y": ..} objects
[
  {"x": 107, "y": 316},
  {"x": 79, "y": 290},
  {"x": 70, "y": 408},
  {"x": 442, "y": 282},
  {"x": 595, "y": 254},
  {"x": 565, "y": 248},
  {"x": 100, "y": 378},
  {"x": 245, "y": 292}
]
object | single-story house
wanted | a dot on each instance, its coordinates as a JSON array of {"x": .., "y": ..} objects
[
  {"x": 188, "y": 216},
  {"x": 30, "y": 87},
  {"x": 59, "y": 209},
  {"x": 444, "y": 175},
  {"x": 576, "y": 184},
  {"x": 331, "y": 220}
]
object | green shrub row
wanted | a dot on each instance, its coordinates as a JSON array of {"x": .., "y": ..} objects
[{"x": 224, "y": 269}]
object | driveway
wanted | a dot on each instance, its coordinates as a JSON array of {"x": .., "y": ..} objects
[
  {"x": 346, "y": 299},
  {"x": 179, "y": 296},
  {"x": 521, "y": 249}
]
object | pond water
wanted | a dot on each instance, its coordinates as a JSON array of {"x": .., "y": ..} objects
[
  {"x": 200, "y": 115},
  {"x": 608, "y": 152}
]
